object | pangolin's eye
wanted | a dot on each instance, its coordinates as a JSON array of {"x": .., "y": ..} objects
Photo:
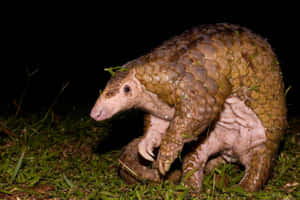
[{"x": 126, "y": 89}]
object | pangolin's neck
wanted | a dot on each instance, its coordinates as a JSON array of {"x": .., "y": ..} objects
[
  {"x": 150, "y": 102},
  {"x": 155, "y": 106}
]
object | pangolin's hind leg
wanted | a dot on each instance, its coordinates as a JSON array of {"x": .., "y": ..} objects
[
  {"x": 257, "y": 170},
  {"x": 250, "y": 145}
]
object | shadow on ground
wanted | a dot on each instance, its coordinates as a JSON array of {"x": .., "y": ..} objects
[{"x": 124, "y": 128}]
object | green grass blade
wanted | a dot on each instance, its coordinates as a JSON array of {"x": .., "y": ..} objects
[
  {"x": 18, "y": 164},
  {"x": 189, "y": 174},
  {"x": 138, "y": 195},
  {"x": 69, "y": 183}
]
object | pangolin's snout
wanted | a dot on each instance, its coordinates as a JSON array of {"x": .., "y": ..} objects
[{"x": 97, "y": 114}]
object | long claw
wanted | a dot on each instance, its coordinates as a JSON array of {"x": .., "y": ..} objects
[
  {"x": 163, "y": 167},
  {"x": 150, "y": 150},
  {"x": 143, "y": 152},
  {"x": 167, "y": 154}
]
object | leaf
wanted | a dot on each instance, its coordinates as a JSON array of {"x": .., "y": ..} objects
[{"x": 110, "y": 70}]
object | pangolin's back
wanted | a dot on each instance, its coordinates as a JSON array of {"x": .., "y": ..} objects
[{"x": 217, "y": 61}]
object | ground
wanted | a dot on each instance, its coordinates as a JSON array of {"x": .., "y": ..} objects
[{"x": 72, "y": 157}]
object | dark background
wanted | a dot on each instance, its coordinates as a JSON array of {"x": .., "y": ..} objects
[{"x": 75, "y": 47}]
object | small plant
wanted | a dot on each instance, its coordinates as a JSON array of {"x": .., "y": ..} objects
[
  {"x": 275, "y": 61},
  {"x": 113, "y": 70},
  {"x": 287, "y": 90},
  {"x": 254, "y": 87},
  {"x": 237, "y": 33}
]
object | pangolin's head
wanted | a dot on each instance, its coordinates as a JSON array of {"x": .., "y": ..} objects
[{"x": 121, "y": 93}]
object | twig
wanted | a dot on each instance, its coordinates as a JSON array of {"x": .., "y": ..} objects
[
  {"x": 19, "y": 110},
  {"x": 29, "y": 75},
  {"x": 123, "y": 165},
  {"x": 7, "y": 131},
  {"x": 55, "y": 100}
]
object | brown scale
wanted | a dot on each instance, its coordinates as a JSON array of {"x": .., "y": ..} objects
[{"x": 198, "y": 70}]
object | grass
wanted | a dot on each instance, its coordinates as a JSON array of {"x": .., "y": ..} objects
[{"x": 61, "y": 158}]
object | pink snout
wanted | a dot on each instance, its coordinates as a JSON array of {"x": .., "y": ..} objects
[{"x": 98, "y": 113}]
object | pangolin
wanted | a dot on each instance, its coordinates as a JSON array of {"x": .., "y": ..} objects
[{"x": 219, "y": 80}]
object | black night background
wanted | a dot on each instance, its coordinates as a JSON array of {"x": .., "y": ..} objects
[
  {"x": 58, "y": 63},
  {"x": 76, "y": 50}
]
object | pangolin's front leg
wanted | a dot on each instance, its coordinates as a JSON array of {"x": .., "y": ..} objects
[
  {"x": 154, "y": 130},
  {"x": 198, "y": 104},
  {"x": 179, "y": 132},
  {"x": 133, "y": 167}
]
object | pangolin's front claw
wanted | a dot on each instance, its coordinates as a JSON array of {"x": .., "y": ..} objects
[
  {"x": 168, "y": 152},
  {"x": 143, "y": 148},
  {"x": 163, "y": 166},
  {"x": 150, "y": 151}
]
